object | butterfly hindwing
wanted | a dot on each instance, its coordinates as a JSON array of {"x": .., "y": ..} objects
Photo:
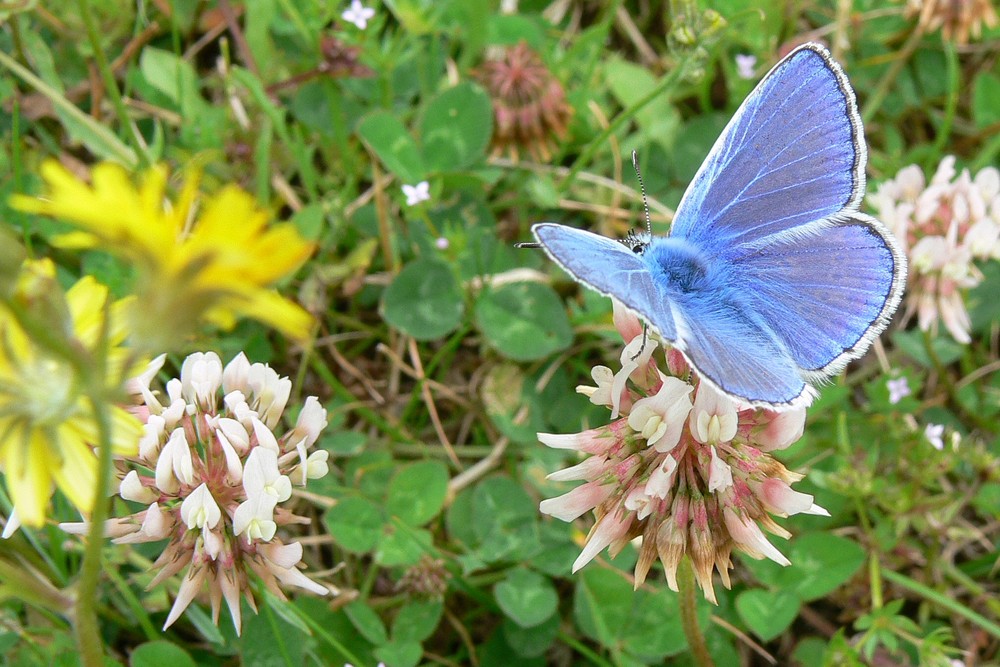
[
  {"x": 734, "y": 350},
  {"x": 826, "y": 295}
]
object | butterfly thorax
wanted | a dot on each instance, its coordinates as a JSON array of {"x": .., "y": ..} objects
[{"x": 682, "y": 265}]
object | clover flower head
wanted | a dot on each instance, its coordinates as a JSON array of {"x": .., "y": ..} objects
[
  {"x": 690, "y": 477},
  {"x": 530, "y": 110},
  {"x": 947, "y": 225},
  {"x": 957, "y": 19},
  {"x": 213, "y": 473}
]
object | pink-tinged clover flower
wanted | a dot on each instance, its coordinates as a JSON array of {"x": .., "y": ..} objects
[
  {"x": 212, "y": 474},
  {"x": 689, "y": 477},
  {"x": 947, "y": 226}
]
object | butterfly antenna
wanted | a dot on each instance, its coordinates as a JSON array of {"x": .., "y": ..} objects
[
  {"x": 642, "y": 189},
  {"x": 527, "y": 244}
]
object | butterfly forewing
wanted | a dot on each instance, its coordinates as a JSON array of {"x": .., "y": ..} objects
[
  {"x": 790, "y": 156},
  {"x": 610, "y": 268}
]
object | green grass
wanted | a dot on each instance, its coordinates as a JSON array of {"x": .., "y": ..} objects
[{"x": 437, "y": 361}]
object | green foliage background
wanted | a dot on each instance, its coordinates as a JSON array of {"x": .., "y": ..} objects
[{"x": 439, "y": 552}]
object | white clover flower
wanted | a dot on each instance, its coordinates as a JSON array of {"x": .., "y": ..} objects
[
  {"x": 220, "y": 466},
  {"x": 946, "y": 226}
]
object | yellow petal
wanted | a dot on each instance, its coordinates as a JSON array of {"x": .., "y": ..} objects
[
  {"x": 76, "y": 475},
  {"x": 126, "y": 429},
  {"x": 271, "y": 308},
  {"x": 28, "y": 468}
]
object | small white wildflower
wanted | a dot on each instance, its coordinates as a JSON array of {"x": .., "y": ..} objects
[
  {"x": 415, "y": 194},
  {"x": 358, "y": 14},
  {"x": 899, "y": 389},
  {"x": 745, "y": 65},
  {"x": 935, "y": 434}
]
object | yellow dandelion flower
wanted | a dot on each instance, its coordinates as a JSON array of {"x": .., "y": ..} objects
[
  {"x": 211, "y": 258},
  {"x": 47, "y": 426}
]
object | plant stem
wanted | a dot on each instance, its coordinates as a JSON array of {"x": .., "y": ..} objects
[
  {"x": 689, "y": 614},
  {"x": 944, "y": 601},
  {"x": 111, "y": 84},
  {"x": 95, "y": 379},
  {"x": 985, "y": 425},
  {"x": 882, "y": 90},
  {"x": 88, "y": 632}
]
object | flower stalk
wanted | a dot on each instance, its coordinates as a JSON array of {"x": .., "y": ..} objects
[
  {"x": 688, "y": 601},
  {"x": 87, "y": 627}
]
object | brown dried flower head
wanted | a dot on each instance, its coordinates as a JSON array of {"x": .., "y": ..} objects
[
  {"x": 529, "y": 103},
  {"x": 957, "y": 19}
]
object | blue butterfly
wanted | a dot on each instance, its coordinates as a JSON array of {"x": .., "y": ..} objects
[{"x": 770, "y": 279}]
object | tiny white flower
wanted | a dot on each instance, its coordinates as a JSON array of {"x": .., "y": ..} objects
[
  {"x": 235, "y": 433},
  {"x": 261, "y": 476},
  {"x": 132, "y": 489},
  {"x": 417, "y": 193},
  {"x": 199, "y": 509},
  {"x": 934, "y": 434},
  {"x": 201, "y": 376},
  {"x": 660, "y": 418},
  {"x": 640, "y": 502},
  {"x": 236, "y": 374},
  {"x": 899, "y": 389},
  {"x": 747, "y": 533},
  {"x": 265, "y": 438},
  {"x": 715, "y": 419},
  {"x": 316, "y": 464},
  {"x": 149, "y": 443},
  {"x": 358, "y": 14},
  {"x": 156, "y": 525},
  {"x": 311, "y": 421},
  {"x": 662, "y": 478},
  {"x": 140, "y": 384},
  {"x": 782, "y": 430},
  {"x": 255, "y": 517},
  {"x": 270, "y": 393},
  {"x": 175, "y": 464},
  {"x": 441, "y": 243},
  {"x": 720, "y": 475},
  {"x": 745, "y": 64}
]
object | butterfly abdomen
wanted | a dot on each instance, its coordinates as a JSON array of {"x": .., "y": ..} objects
[{"x": 685, "y": 268}]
